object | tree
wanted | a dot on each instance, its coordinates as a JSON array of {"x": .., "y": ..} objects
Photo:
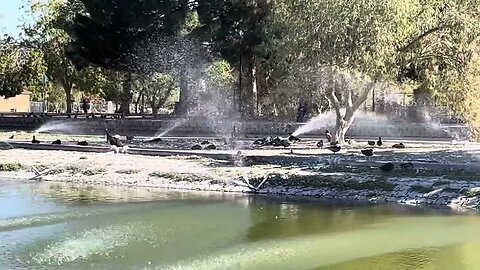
[
  {"x": 48, "y": 36},
  {"x": 236, "y": 28},
  {"x": 20, "y": 67},
  {"x": 156, "y": 89},
  {"x": 351, "y": 46}
]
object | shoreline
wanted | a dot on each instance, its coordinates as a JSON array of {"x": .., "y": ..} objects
[{"x": 287, "y": 180}]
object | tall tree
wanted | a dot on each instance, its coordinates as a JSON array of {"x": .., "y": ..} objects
[
  {"x": 20, "y": 67},
  {"x": 352, "y": 46}
]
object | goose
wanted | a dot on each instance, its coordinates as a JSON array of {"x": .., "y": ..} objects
[
  {"x": 293, "y": 138},
  {"x": 82, "y": 143},
  {"x": 57, "y": 142},
  {"x": 320, "y": 144},
  {"x": 130, "y": 138},
  {"x": 388, "y": 167},
  {"x": 211, "y": 147},
  {"x": 11, "y": 137},
  {"x": 398, "y": 146},
  {"x": 328, "y": 136},
  {"x": 113, "y": 140},
  {"x": 367, "y": 152},
  {"x": 34, "y": 140},
  {"x": 335, "y": 148},
  {"x": 155, "y": 140},
  {"x": 379, "y": 142},
  {"x": 371, "y": 143},
  {"x": 205, "y": 142},
  {"x": 196, "y": 147},
  {"x": 259, "y": 141}
]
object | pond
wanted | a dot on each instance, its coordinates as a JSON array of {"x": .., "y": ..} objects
[{"x": 59, "y": 226}]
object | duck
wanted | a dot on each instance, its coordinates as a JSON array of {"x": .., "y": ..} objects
[
  {"x": 11, "y": 137},
  {"x": 211, "y": 147},
  {"x": 328, "y": 136},
  {"x": 113, "y": 140},
  {"x": 196, "y": 147},
  {"x": 293, "y": 138},
  {"x": 379, "y": 142},
  {"x": 57, "y": 142},
  {"x": 35, "y": 141},
  {"x": 82, "y": 143},
  {"x": 399, "y": 146},
  {"x": 205, "y": 142},
  {"x": 371, "y": 143},
  {"x": 285, "y": 143},
  {"x": 367, "y": 152},
  {"x": 155, "y": 140},
  {"x": 388, "y": 167},
  {"x": 335, "y": 148},
  {"x": 320, "y": 144}
]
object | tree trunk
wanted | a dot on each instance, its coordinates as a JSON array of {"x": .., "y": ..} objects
[
  {"x": 68, "y": 95},
  {"x": 127, "y": 94},
  {"x": 345, "y": 116},
  {"x": 248, "y": 86}
]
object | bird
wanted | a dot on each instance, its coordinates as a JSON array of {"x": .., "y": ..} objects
[
  {"x": 320, "y": 144},
  {"x": 11, "y": 137},
  {"x": 334, "y": 148},
  {"x": 328, "y": 136},
  {"x": 259, "y": 141},
  {"x": 113, "y": 140},
  {"x": 155, "y": 140},
  {"x": 34, "y": 140},
  {"x": 398, "y": 146},
  {"x": 388, "y": 167},
  {"x": 379, "y": 142},
  {"x": 285, "y": 143},
  {"x": 371, "y": 143},
  {"x": 82, "y": 143},
  {"x": 196, "y": 147},
  {"x": 211, "y": 147},
  {"x": 293, "y": 138},
  {"x": 130, "y": 138},
  {"x": 205, "y": 142},
  {"x": 367, "y": 152},
  {"x": 58, "y": 142}
]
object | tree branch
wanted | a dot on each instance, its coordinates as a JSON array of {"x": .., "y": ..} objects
[
  {"x": 363, "y": 95},
  {"x": 349, "y": 98},
  {"x": 419, "y": 38},
  {"x": 336, "y": 104}
]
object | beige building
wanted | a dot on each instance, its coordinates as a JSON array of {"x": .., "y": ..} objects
[{"x": 19, "y": 103}]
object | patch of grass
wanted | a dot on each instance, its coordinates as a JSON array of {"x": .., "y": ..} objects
[
  {"x": 188, "y": 177},
  {"x": 473, "y": 193},
  {"x": 421, "y": 189},
  {"x": 93, "y": 171},
  {"x": 129, "y": 171},
  {"x": 10, "y": 167},
  {"x": 441, "y": 183},
  {"x": 322, "y": 181}
]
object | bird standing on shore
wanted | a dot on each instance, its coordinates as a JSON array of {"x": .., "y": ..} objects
[
  {"x": 379, "y": 142},
  {"x": 11, "y": 137},
  {"x": 57, "y": 142},
  {"x": 196, "y": 147},
  {"x": 113, "y": 140},
  {"x": 335, "y": 148},
  {"x": 399, "y": 146},
  {"x": 35, "y": 141},
  {"x": 367, "y": 152},
  {"x": 328, "y": 136},
  {"x": 293, "y": 138},
  {"x": 82, "y": 143},
  {"x": 371, "y": 143},
  {"x": 320, "y": 144}
]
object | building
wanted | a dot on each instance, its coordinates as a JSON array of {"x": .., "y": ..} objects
[{"x": 19, "y": 103}]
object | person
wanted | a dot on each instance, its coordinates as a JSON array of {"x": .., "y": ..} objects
[{"x": 85, "y": 105}]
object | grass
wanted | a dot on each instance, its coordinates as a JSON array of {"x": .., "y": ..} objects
[
  {"x": 321, "y": 181},
  {"x": 75, "y": 169},
  {"x": 129, "y": 171},
  {"x": 472, "y": 193},
  {"x": 10, "y": 167},
  {"x": 188, "y": 177}
]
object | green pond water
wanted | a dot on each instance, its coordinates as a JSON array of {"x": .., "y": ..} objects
[{"x": 52, "y": 226}]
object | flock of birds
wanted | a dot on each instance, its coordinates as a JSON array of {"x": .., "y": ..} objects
[{"x": 335, "y": 147}]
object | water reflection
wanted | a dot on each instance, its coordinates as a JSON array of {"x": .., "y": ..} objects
[{"x": 61, "y": 226}]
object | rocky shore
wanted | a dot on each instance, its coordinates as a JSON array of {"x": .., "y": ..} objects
[{"x": 325, "y": 180}]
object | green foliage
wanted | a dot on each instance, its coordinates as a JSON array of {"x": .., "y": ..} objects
[
  {"x": 157, "y": 90},
  {"x": 20, "y": 68},
  {"x": 10, "y": 167}
]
